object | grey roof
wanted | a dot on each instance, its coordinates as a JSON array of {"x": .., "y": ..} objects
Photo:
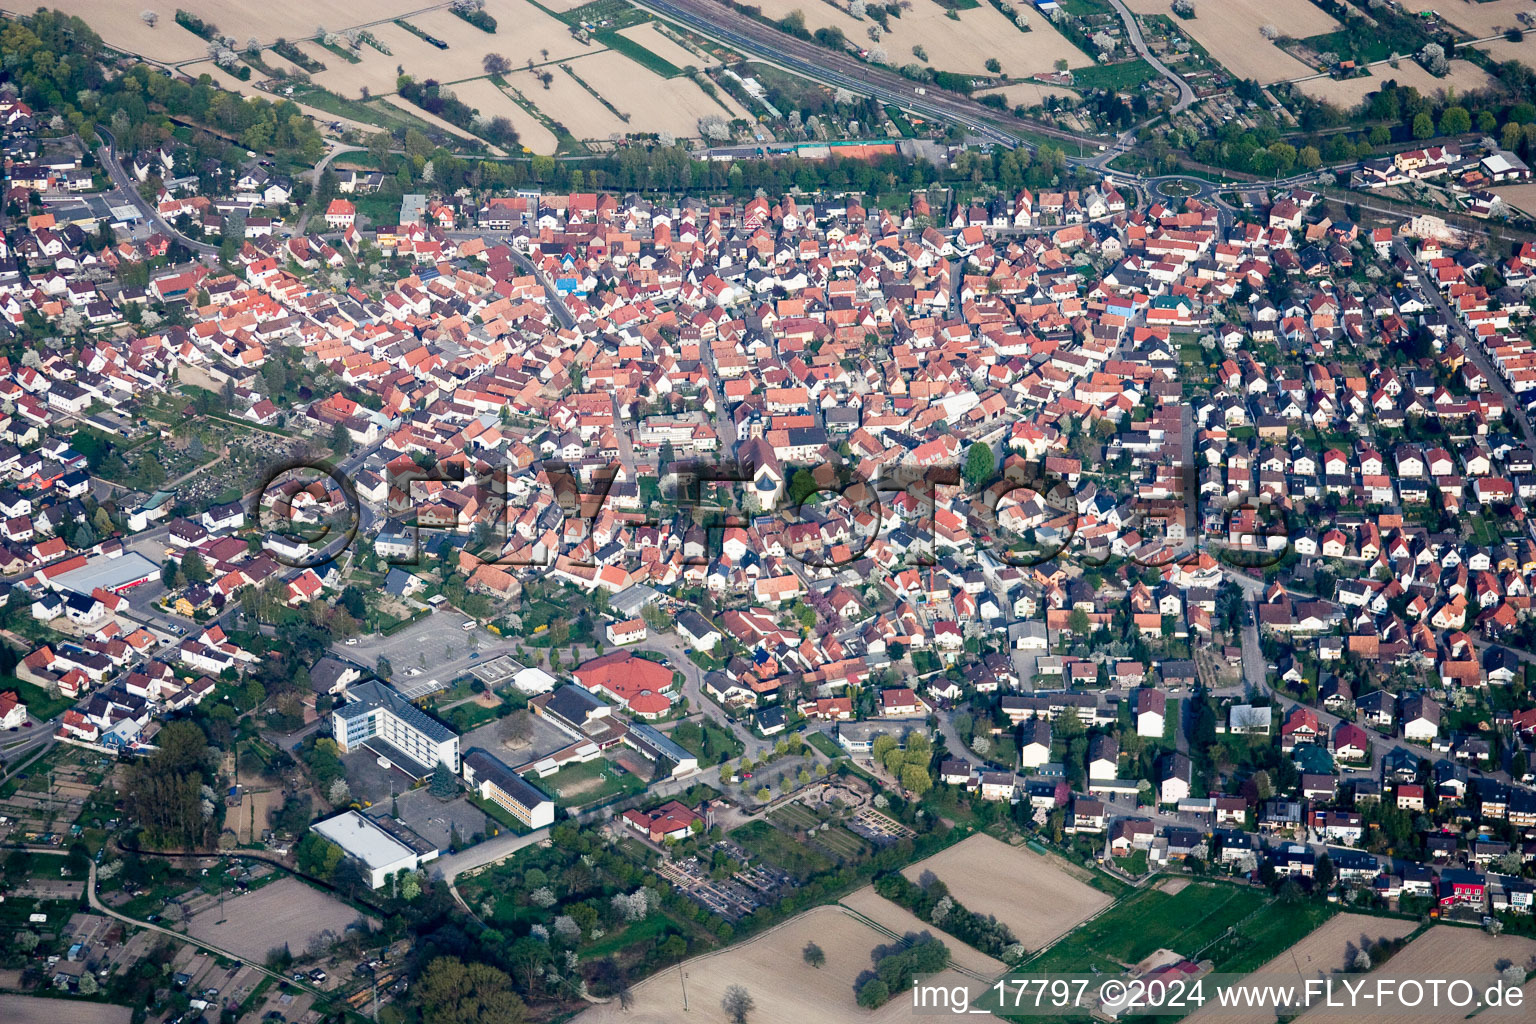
[
  {"x": 487, "y": 766},
  {"x": 658, "y": 741},
  {"x": 374, "y": 694}
]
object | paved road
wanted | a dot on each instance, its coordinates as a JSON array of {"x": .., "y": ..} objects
[
  {"x": 1132, "y": 29},
  {"x": 124, "y": 182},
  {"x": 1471, "y": 346}
]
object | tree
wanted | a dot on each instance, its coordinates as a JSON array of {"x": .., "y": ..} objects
[
  {"x": 194, "y": 568},
  {"x": 916, "y": 779},
  {"x": 737, "y": 1003},
  {"x": 1455, "y": 121},
  {"x": 994, "y": 65},
  {"x": 496, "y": 64},
  {"x": 1423, "y": 125},
  {"x": 453, "y": 992},
  {"x": 149, "y": 18},
  {"x": 813, "y": 955},
  {"x": 1323, "y": 874},
  {"x": 978, "y": 465},
  {"x": 443, "y": 783}
]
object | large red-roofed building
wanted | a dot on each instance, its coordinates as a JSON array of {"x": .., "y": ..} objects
[{"x": 641, "y": 686}]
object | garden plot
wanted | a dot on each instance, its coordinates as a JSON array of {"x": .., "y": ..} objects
[
  {"x": 1463, "y": 77},
  {"x": 1031, "y": 894},
  {"x": 286, "y": 911},
  {"x": 486, "y": 97},
  {"x": 1329, "y": 948},
  {"x": 1229, "y": 31},
  {"x": 1442, "y": 952},
  {"x": 962, "y": 46}
]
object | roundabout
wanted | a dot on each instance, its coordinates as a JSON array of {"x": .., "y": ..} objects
[{"x": 1178, "y": 188}]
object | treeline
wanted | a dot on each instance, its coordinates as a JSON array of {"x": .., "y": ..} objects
[
  {"x": 673, "y": 169},
  {"x": 935, "y": 905},
  {"x": 197, "y": 26},
  {"x": 429, "y": 96},
  {"x": 56, "y": 63},
  {"x": 896, "y": 971},
  {"x": 474, "y": 14}
]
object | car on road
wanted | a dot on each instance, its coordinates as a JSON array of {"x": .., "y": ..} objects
[{"x": 472, "y": 657}]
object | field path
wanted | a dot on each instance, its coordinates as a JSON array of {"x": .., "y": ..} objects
[{"x": 1186, "y": 94}]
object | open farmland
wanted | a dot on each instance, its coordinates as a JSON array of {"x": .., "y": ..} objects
[
  {"x": 653, "y": 103},
  {"x": 573, "y": 107},
  {"x": 1523, "y": 51},
  {"x": 114, "y": 21},
  {"x": 119, "y": 25},
  {"x": 287, "y": 911},
  {"x": 1029, "y": 893},
  {"x": 1229, "y": 31},
  {"x": 32, "y": 1010},
  {"x": 486, "y": 97},
  {"x": 1478, "y": 19},
  {"x": 961, "y": 46},
  {"x": 770, "y": 967},
  {"x": 1327, "y": 949},
  {"x": 897, "y": 921},
  {"x": 1521, "y": 196},
  {"x": 650, "y": 36},
  {"x": 1442, "y": 952},
  {"x": 1463, "y": 77}
]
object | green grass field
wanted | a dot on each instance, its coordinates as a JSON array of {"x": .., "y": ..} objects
[
  {"x": 1124, "y": 76},
  {"x": 1151, "y": 920},
  {"x": 824, "y": 743},
  {"x": 41, "y": 706}
]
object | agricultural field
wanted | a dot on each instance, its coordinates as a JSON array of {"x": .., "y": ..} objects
[
  {"x": 1442, "y": 952},
  {"x": 33, "y": 1010},
  {"x": 1464, "y": 76},
  {"x": 961, "y": 46},
  {"x": 771, "y": 968},
  {"x": 896, "y": 922},
  {"x": 1522, "y": 196},
  {"x": 1502, "y": 49},
  {"x": 1229, "y": 31},
  {"x": 1327, "y": 949},
  {"x": 286, "y": 911},
  {"x": 1477, "y": 19},
  {"x": 650, "y": 36},
  {"x": 1031, "y": 894}
]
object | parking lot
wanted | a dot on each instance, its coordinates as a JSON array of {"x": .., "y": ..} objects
[
  {"x": 436, "y": 820},
  {"x": 437, "y": 647}
]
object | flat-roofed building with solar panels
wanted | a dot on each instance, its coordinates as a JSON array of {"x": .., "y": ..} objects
[
  {"x": 380, "y": 719},
  {"x": 494, "y": 781}
]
